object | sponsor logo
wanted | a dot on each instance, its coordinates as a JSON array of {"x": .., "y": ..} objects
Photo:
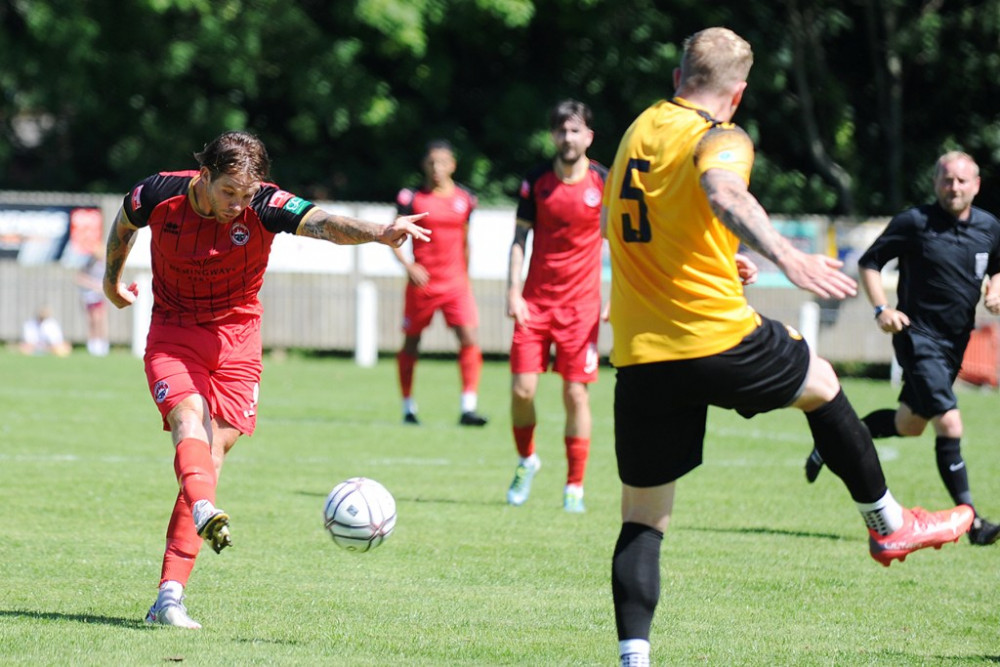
[
  {"x": 160, "y": 391},
  {"x": 590, "y": 364},
  {"x": 296, "y": 205},
  {"x": 171, "y": 228},
  {"x": 460, "y": 205},
  {"x": 726, "y": 156},
  {"x": 239, "y": 233},
  {"x": 136, "y": 198},
  {"x": 956, "y": 466},
  {"x": 279, "y": 198},
  {"x": 592, "y": 197}
]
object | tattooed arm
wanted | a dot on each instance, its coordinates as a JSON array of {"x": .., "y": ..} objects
[
  {"x": 339, "y": 229},
  {"x": 743, "y": 215},
  {"x": 121, "y": 237}
]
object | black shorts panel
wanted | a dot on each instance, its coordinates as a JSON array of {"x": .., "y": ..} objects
[
  {"x": 660, "y": 408},
  {"x": 930, "y": 366}
]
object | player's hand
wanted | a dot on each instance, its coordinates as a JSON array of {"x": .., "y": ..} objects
[
  {"x": 992, "y": 302},
  {"x": 517, "y": 308},
  {"x": 418, "y": 274},
  {"x": 122, "y": 295},
  {"x": 818, "y": 274},
  {"x": 746, "y": 268},
  {"x": 405, "y": 227},
  {"x": 892, "y": 321}
]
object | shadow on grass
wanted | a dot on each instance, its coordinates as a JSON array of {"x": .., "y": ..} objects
[
  {"x": 966, "y": 658},
  {"x": 767, "y": 531},
  {"x": 73, "y": 618},
  {"x": 440, "y": 501}
]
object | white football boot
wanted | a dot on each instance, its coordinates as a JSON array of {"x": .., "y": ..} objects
[{"x": 520, "y": 487}]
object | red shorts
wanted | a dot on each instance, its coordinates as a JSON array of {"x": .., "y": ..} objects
[
  {"x": 573, "y": 331},
  {"x": 220, "y": 361},
  {"x": 457, "y": 306}
]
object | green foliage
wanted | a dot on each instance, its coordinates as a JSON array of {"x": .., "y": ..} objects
[
  {"x": 98, "y": 94},
  {"x": 758, "y": 567}
]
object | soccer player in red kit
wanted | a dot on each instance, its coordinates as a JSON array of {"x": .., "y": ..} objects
[
  {"x": 439, "y": 278},
  {"x": 560, "y": 302},
  {"x": 212, "y": 231}
]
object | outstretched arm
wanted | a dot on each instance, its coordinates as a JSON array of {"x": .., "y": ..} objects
[
  {"x": 121, "y": 237},
  {"x": 342, "y": 230},
  {"x": 740, "y": 211}
]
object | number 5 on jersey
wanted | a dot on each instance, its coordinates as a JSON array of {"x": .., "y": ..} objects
[{"x": 631, "y": 234}]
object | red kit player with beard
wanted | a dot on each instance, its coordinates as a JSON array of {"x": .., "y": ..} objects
[
  {"x": 560, "y": 303},
  {"x": 212, "y": 231}
]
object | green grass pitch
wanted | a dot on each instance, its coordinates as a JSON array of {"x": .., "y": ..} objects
[{"x": 759, "y": 568}]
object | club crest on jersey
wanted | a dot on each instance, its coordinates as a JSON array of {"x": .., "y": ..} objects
[
  {"x": 239, "y": 233},
  {"x": 592, "y": 197},
  {"x": 460, "y": 205},
  {"x": 136, "y": 198},
  {"x": 160, "y": 391}
]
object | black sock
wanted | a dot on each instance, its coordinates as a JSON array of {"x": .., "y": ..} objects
[
  {"x": 881, "y": 423},
  {"x": 846, "y": 447},
  {"x": 635, "y": 579},
  {"x": 952, "y": 468}
]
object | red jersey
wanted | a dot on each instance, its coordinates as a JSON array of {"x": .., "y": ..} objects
[
  {"x": 204, "y": 270},
  {"x": 565, "y": 264},
  {"x": 448, "y": 219}
]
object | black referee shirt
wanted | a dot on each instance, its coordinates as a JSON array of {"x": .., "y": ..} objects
[{"x": 942, "y": 263}]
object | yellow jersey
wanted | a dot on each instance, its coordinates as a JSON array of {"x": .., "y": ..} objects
[{"x": 675, "y": 289}]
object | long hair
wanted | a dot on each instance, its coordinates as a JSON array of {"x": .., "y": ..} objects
[{"x": 235, "y": 152}]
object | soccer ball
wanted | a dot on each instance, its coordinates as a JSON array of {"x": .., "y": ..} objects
[{"x": 360, "y": 514}]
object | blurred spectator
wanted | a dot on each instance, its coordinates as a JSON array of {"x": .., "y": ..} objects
[
  {"x": 90, "y": 280},
  {"x": 42, "y": 334}
]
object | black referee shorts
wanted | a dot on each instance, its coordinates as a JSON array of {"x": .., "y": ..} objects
[
  {"x": 661, "y": 408},
  {"x": 930, "y": 366}
]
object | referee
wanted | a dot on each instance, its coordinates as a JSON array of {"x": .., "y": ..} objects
[{"x": 945, "y": 251}]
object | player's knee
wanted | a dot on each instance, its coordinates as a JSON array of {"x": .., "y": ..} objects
[{"x": 822, "y": 384}]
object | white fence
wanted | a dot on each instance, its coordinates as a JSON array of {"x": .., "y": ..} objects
[{"x": 311, "y": 291}]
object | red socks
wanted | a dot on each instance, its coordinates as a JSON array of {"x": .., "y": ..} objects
[
  {"x": 405, "y": 364},
  {"x": 524, "y": 438},
  {"x": 470, "y": 364},
  {"x": 577, "y": 450},
  {"x": 195, "y": 470},
  {"x": 196, "y": 476},
  {"x": 183, "y": 544}
]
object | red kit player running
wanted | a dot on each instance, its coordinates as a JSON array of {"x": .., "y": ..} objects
[
  {"x": 212, "y": 231},
  {"x": 439, "y": 278},
  {"x": 560, "y": 303}
]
